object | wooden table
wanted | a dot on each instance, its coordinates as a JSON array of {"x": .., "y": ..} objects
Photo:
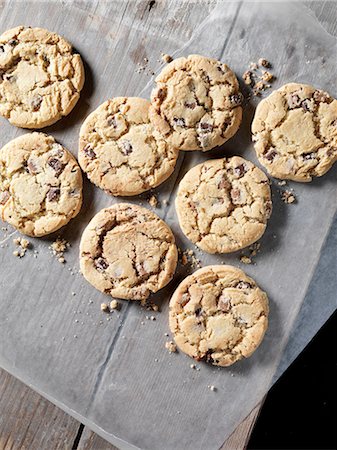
[{"x": 28, "y": 421}]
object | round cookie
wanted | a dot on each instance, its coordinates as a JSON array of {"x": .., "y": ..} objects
[
  {"x": 223, "y": 204},
  {"x": 121, "y": 152},
  {"x": 218, "y": 314},
  {"x": 128, "y": 252},
  {"x": 40, "y": 184},
  {"x": 196, "y": 104},
  {"x": 295, "y": 132},
  {"x": 41, "y": 78}
]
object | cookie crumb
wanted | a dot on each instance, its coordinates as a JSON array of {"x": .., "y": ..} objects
[
  {"x": 288, "y": 197},
  {"x": 153, "y": 201},
  {"x": 114, "y": 304},
  {"x": 152, "y": 318},
  {"x": 247, "y": 77},
  {"x": 188, "y": 257},
  {"x": 264, "y": 63},
  {"x": 58, "y": 248},
  {"x": 166, "y": 58},
  {"x": 171, "y": 346},
  {"x": 245, "y": 259},
  {"x": 257, "y": 77},
  {"x": 282, "y": 183},
  {"x": 166, "y": 334},
  {"x": 254, "y": 248},
  {"x": 212, "y": 388},
  {"x": 267, "y": 76},
  {"x": 105, "y": 307},
  {"x": 193, "y": 366}
]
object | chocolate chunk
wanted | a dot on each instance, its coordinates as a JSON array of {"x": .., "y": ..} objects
[
  {"x": 56, "y": 165},
  {"x": 205, "y": 127},
  {"x": 224, "y": 183},
  {"x": 270, "y": 155},
  {"x": 294, "y": 101},
  {"x": 2, "y": 49},
  {"x": 198, "y": 312},
  {"x": 36, "y": 102},
  {"x": 308, "y": 105},
  {"x": 240, "y": 170},
  {"x": 13, "y": 42},
  {"x": 4, "y": 196},
  {"x": 53, "y": 194},
  {"x": 321, "y": 96},
  {"x": 185, "y": 299},
  {"x": 161, "y": 94},
  {"x": 190, "y": 105},
  {"x": 243, "y": 285},
  {"x": 111, "y": 121},
  {"x": 32, "y": 167},
  {"x": 224, "y": 303},
  {"x": 101, "y": 264},
  {"x": 236, "y": 195},
  {"x": 180, "y": 122},
  {"x": 309, "y": 156},
  {"x": 126, "y": 147},
  {"x": 89, "y": 152},
  {"x": 236, "y": 99}
]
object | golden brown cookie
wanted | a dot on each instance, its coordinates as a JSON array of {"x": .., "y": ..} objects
[
  {"x": 223, "y": 204},
  {"x": 40, "y": 184},
  {"x": 40, "y": 77},
  {"x": 295, "y": 132},
  {"x": 128, "y": 252},
  {"x": 121, "y": 152},
  {"x": 218, "y": 314},
  {"x": 196, "y": 104}
]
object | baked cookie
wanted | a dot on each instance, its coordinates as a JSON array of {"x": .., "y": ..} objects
[
  {"x": 120, "y": 151},
  {"x": 196, "y": 104},
  {"x": 295, "y": 132},
  {"x": 40, "y": 77},
  {"x": 218, "y": 314},
  {"x": 128, "y": 252},
  {"x": 223, "y": 204},
  {"x": 40, "y": 184}
]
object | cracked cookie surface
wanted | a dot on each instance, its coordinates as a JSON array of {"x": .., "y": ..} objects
[
  {"x": 196, "y": 104},
  {"x": 218, "y": 314},
  {"x": 40, "y": 184},
  {"x": 40, "y": 77},
  {"x": 128, "y": 252},
  {"x": 223, "y": 205},
  {"x": 295, "y": 132},
  {"x": 121, "y": 152}
]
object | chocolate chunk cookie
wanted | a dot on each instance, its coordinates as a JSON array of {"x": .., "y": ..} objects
[
  {"x": 196, "y": 104},
  {"x": 223, "y": 205},
  {"x": 218, "y": 314},
  {"x": 40, "y": 184},
  {"x": 121, "y": 152},
  {"x": 295, "y": 132},
  {"x": 128, "y": 252},
  {"x": 40, "y": 77}
]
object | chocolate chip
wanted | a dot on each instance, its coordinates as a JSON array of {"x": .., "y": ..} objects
[
  {"x": 180, "y": 122},
  {"x": 111, "y": 120},
  {"x": 4, "y": 196},
  {"x": 89, "y": 152},
  {"x": 190, "y": 105},
  {"x": 221, "y": 69},
  {"x": 53, "y": 194},
  {"x": 198, "y": 312},
  {"x": 224, "y": 303},
  {"x": 236, "y": 195},
  {"x": 56, "y": 165},
  {"x": 243, "y": 285},
  {"x": 126, "y": 147},
  {"x": 270, "y": 155},
  {"x": 307, "y": 105},
  {"x": 161, "y": 94},
  {"x": 334, "y": 123},
  {"x": 2, "y": 49},
  {"x": 224, "y": 183},
  {"x": 236, "y": 99},
  {"x": 101, "y": 264},
  {"x": 32, "y": 167},
  {"x": 294, "y": 101},
  {"x": 240, "y": 170},
  {"x": 205, "y": 127},
  {"x": 36, "y": 102},
  {"x": 321, "y": 96},
  {"x": 9, "y": 77},
  {"x": 309, "y": 156},
  {"x": 13, "y": 42}
]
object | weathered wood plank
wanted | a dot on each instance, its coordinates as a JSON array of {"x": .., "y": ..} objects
[{"x": 28, "y": 421}]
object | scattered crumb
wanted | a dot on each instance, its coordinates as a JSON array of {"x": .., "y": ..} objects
[
  {"x": 245, "y": 259},
  {"x": 150, "y": 306},
  {"x": 24, "y": 244},
  {"x": 264, "y": 63},
  {"x": 114, "y": 304},
  {"x": 282, "y": 183},
  {"x": 188, "y": 257},
  {"x": 184, "y": 259},
  {"x": 166, "y": 58},
  {"x": 58, "y": 248},
  {"x": 105, "y": 308},
  {"x": 165, "y": 202},
  {"x": 152, "y": 318},
  {"x": 166, "y": 334},
  {"x": 193, "y": 366},
  {"x": 153, "y": 201},
  {"x": 171, "y": 346},
  {"x": 212, "y": 388},
  {"x": 257, "y": 77},
  {"x": 288, "y": 197},
  {"x": 73, "y": 294},
  {"x": 254, "y": 248},
  {"x": 155, "y": 359}
]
